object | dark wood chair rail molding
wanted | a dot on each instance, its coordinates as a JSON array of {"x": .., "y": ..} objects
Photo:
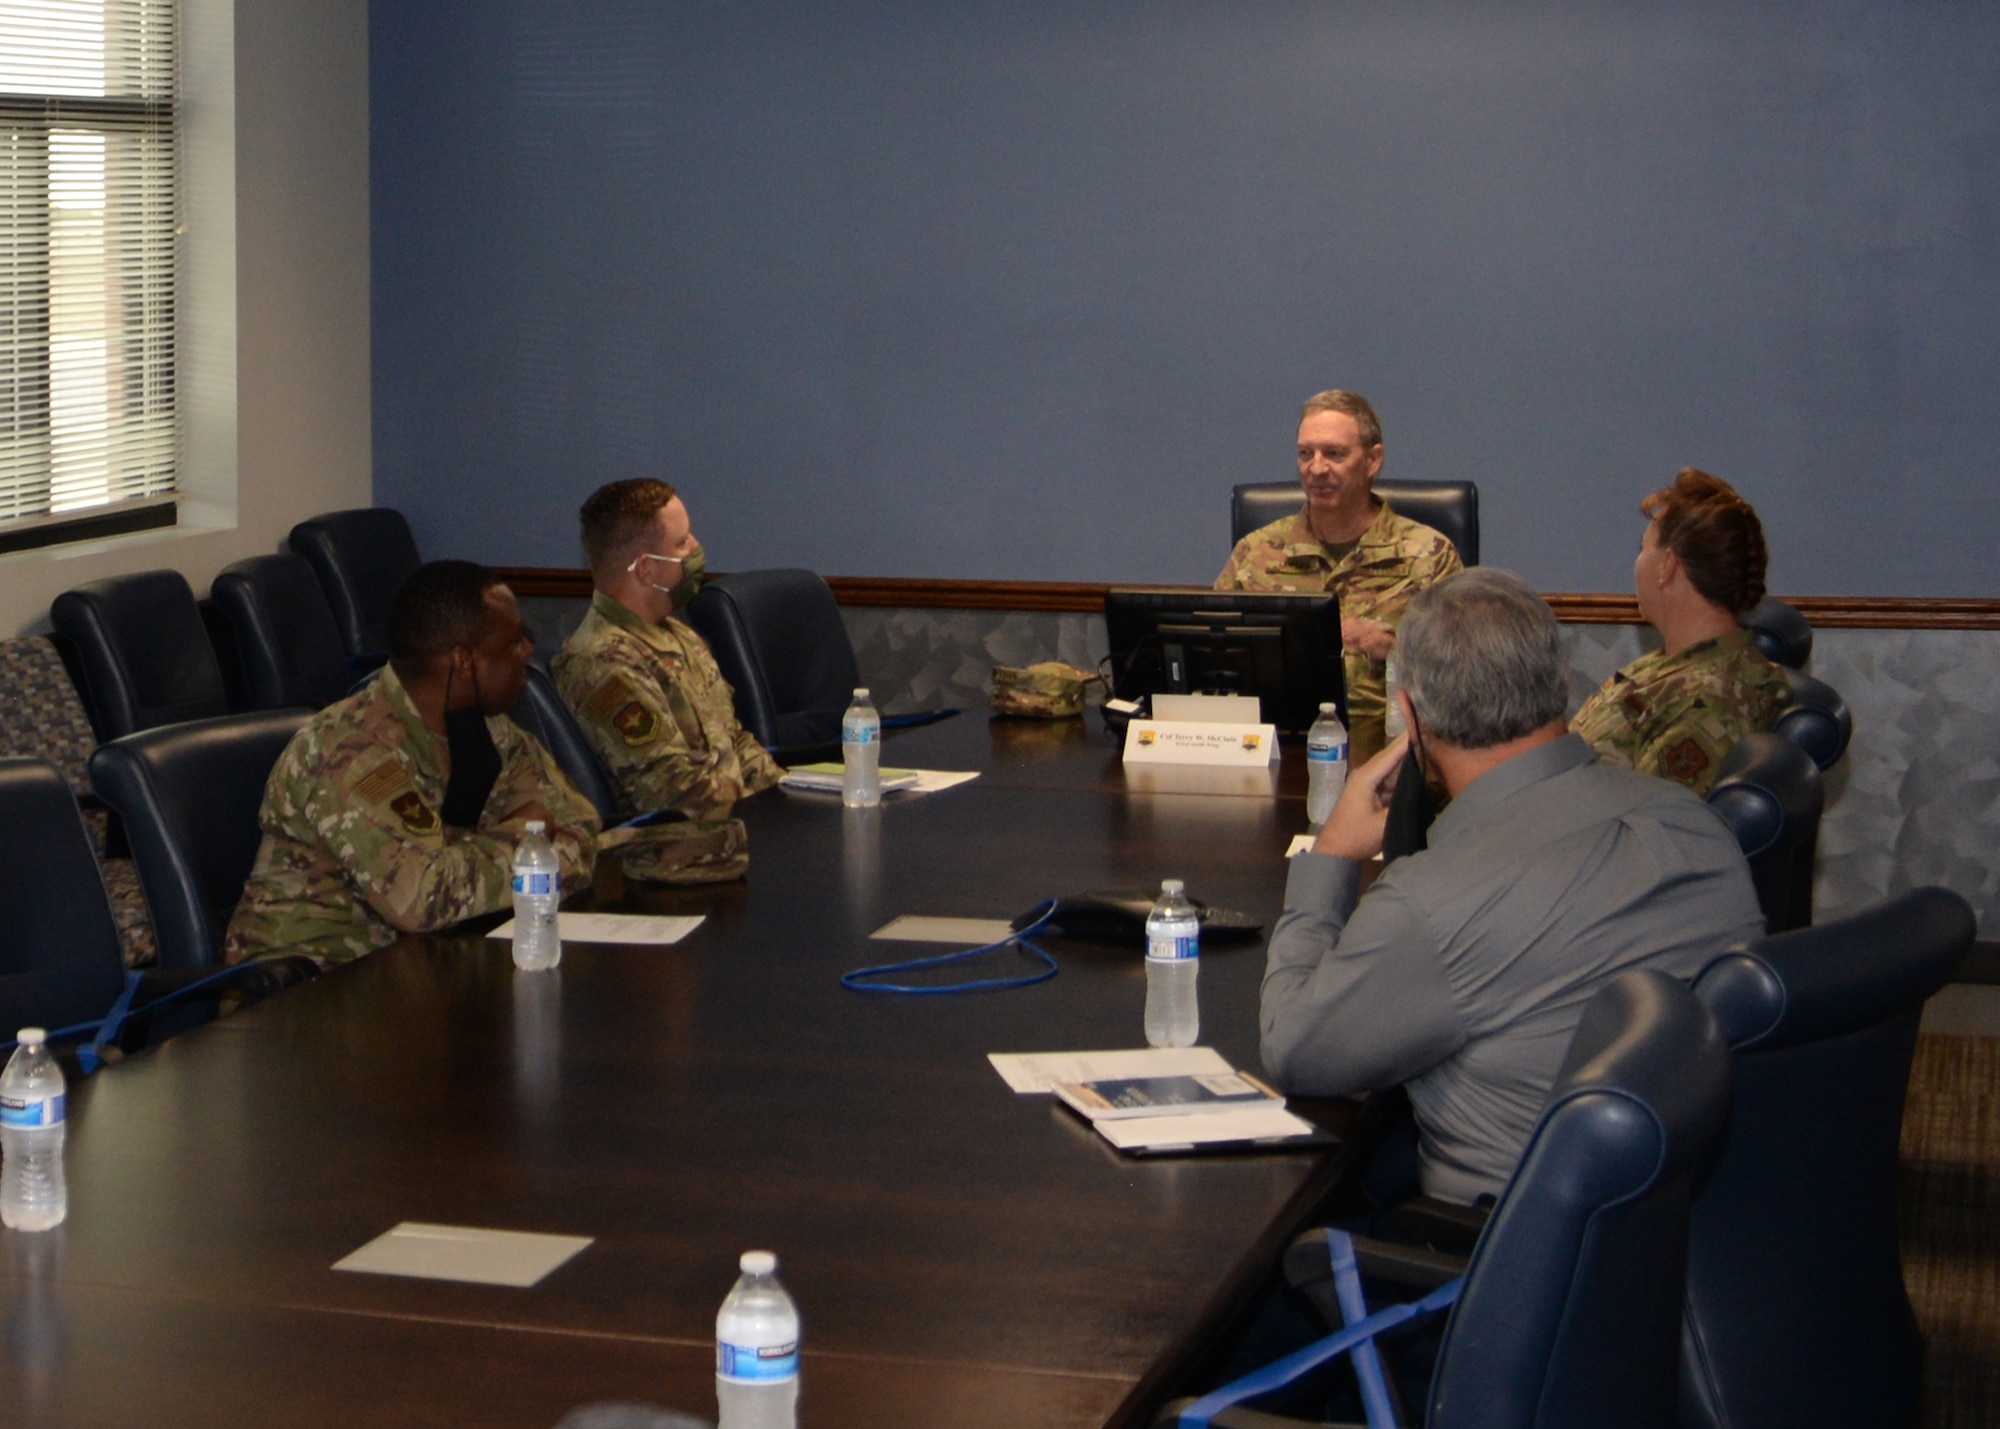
[{"x": 1832, "y": 612}]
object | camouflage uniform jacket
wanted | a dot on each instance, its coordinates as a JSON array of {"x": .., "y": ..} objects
[
  {"x": 1676, "y": 716},
  {"x": 354, "y": 853},
  {"x": 653, "y": 702},
  {"x": 1393, "y": 560}
]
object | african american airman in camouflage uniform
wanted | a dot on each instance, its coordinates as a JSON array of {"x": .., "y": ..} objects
[
  {"x": 1676, "y": 716},
  {"x": 355, "y": 854},
  {"x": 653, "y": 702},
  {"x": 1374, "y": 577}
]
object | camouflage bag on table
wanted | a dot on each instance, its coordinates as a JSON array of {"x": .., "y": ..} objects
[{"x": 1049, "y": 690}]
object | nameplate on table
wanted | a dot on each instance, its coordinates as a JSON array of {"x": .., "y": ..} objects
[
  {"x": 469, "y": 1253},
  {"x": 1240, "y": 746}
]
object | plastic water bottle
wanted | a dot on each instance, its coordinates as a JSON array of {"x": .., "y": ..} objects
[
  {"x": 1173, "y": 962},
  {"x": 1392, "y": 714},
  {"x": 1326, "y": 764},
  {"x": 537, "y": 895},
  {"x": 861, "y": 754},
  {"x": 757, "y": 1350},
  {"x": 33, "y": 1194}
]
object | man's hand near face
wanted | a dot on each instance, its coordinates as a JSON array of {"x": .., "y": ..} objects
[{"x": 1354, "y": 828}]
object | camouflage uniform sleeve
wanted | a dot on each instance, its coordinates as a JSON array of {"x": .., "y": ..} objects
[
  {"x": 760, "y": 770},
  {"x": 531, "y": 772},
  {"x": 634, "y": 721},
  {"x": 395, "y": 852},
  {"x": 1605, "y": 727},
  {"x": 1232, "y": 572}
]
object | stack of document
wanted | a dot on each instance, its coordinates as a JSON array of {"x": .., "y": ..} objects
[{"x": 1160, "y": 1099}]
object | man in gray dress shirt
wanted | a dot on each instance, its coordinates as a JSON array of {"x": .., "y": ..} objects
[{"x": 1464, "y": 971}]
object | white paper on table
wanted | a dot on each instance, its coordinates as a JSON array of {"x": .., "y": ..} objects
[
  {"x": 1242, "y": 1124},
  {"x": 971, "y": 932},
  {"x": 640, "y": 929},
  {"x": 483, "y": 1257},
  {"x": 930, "y": 781},
  {"x": 1040, "y": 1071}
]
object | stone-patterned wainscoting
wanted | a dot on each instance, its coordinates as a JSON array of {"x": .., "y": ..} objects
[{"x": 1916, "y": 800}]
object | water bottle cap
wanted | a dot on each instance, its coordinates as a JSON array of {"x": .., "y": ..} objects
[
  {"x": 1326, "y": 708},
  {"x": 31, "y": 1036},
  {"x": 860, "y": 692},
  {"x": 536, "y": 826},
  {"x": 757, "y": 1262},
  {"x": 1171, "y": 885}
]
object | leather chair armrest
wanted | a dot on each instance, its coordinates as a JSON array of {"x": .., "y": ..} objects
[{"x": 1443, "y": 1226}]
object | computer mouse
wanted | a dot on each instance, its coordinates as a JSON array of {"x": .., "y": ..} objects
[{"x": 1120, "y": 917}]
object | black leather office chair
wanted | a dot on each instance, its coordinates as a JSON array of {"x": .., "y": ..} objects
[
  {"x": 779, "y": 640},
  {"x": 146, "y": 655},
  {"x": 190, "y": 797},
  {"x": 1448, "y": 506},
  {"x": 1570, "y": 1317},
  {"x": 1769, "y": 792},
  {"x": 542, "y": 713},
  {"x": 286, "y": 642},
  {"x": 362, "y": 559},
  {"x": 1815, "y": 718},
  {"x": 60, "y": 961},
  {"x": 1785, "y": 636},
  {"x": 1796, "y": 1311}
]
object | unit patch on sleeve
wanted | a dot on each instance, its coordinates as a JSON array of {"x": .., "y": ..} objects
[
  {"x": 417, "y": 816},
  {"x": 638, "y": 724}
]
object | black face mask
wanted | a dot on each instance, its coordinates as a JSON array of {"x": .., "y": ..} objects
[
  {"x": 1411, "y": 806},
  {"x": 475, "y": 761}
]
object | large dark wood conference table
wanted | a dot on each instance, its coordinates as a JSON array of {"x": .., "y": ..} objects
[{"x": 961, "y": 1255}]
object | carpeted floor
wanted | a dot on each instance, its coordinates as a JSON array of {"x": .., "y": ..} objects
[{"x": 1950, "y": 1206}]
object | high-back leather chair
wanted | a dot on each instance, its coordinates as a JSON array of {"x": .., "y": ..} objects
[
  {"x": 1815, "y": 718},
  {"x": 1769, "y": 792},
  {"x": 147, "y": 660},
  {"x": 190, "y": 797},
  {"x": 288, "y": 647},
  {"x": 362, "y": 559},
  {"x": 1570, "y": 1316},
  {"x": 779, "y": 640},
  {"x": 1796, "y": 1311},
  {"x": 1784, "y": 635},
  {"x": 60, "y": 959},
  {"x": 542, "y": 713},
  {"x": 1448, "y": 506}
]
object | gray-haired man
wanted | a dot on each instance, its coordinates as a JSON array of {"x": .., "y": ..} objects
[{"x": 1464, "y": 971}]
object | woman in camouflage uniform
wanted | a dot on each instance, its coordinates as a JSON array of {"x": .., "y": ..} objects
[{"x": 1678, "y": 711}]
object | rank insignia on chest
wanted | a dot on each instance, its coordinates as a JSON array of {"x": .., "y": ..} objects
[
  {"x": 417, "y": 816},
  {"x": 638, "y": 724}
]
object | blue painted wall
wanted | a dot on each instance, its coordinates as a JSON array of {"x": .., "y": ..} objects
[{"x": 1010, "y": 290}]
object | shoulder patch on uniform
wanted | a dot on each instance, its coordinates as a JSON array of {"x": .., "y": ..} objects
[
  {"x": 638, "y": 724},
  {"x": 417, "y": 816},
  {"x": 382, "y": 783},
  {"x": 609, "y": 697},
  {"x": 1684, "y": 761}
]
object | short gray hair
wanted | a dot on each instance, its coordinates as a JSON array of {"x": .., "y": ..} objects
[{"x": 1481, "y": 657}]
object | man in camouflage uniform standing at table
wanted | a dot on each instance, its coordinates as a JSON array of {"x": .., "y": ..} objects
[
  {"x": 397, "y": 810},
  {"x": 643, "y": 684},
  {"x": 1348, "y": 541}
]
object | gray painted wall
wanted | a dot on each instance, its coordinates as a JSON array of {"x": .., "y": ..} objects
[{"x": 984, "y": 289}]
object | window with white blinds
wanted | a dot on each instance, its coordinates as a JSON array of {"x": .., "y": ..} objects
[{"x": 89, "y": 213}]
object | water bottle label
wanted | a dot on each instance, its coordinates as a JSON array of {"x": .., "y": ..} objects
[
  {"x": 851, "y": 735},
  {"x": 756, "y": 1364},
  {"x": 535, "y": 884},
  {"x": 1332, "y": 754},
  {"x": 1169, "y": 950},
  {"x": 22, "y": 1113}
]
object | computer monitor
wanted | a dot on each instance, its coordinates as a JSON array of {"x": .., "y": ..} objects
[{"x": 1280, "y": 647}]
